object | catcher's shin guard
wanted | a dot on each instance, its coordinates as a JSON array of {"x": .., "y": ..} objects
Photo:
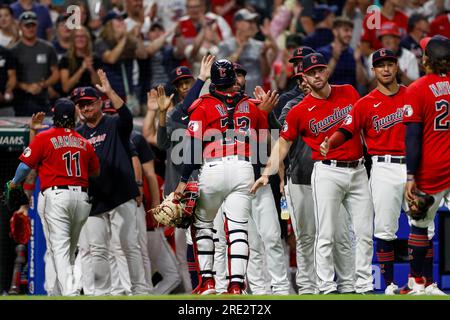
[
  {"x": 204, "y": 250},
  {"x": 237, "y": 249}
]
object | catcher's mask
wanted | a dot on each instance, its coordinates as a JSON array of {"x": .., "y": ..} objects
[{"x": 189, "y": 199}]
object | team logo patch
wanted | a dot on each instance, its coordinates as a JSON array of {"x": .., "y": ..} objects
[
  {"x": 285, "y": 127},
  {"x": 407, "y": 110},
  {"x": 27, "y": 152},
  {"x": 348, "y": 120},
  {"x": 193, "y": 126}
]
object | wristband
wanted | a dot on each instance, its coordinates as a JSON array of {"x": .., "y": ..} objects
[{"x": 28, "y": 186}]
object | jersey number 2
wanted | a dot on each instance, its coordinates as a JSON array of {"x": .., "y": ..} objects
[
  {"x": 68, "y": 157},
  {"x": 439, "y": 122}
]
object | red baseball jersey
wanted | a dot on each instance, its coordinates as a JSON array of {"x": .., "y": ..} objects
[
  {"x": 315, "y": 119},
  {"x": 380, "y": 118},
  {"x": 209, "y": 122},
  {"x": 61, "y": 157},
  {"x": 371, "y": 26},
  {"x": 427, "y": 102}
]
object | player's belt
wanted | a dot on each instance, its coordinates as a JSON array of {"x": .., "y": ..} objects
[
  {"x": 400, "y": 160},
  {"x": 73, "y": 188},
  {"x": 344, "y": 164},
  {"x": 233, "y": 157}
]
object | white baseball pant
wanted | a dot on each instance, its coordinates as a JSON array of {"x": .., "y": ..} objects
[
  {"x": 63, "y": 214},
  {"x": 228, "y": 182},
  {"x": 331, "y": 187},
  {"x": 301, "y": 210},
  {"x": 95, "y": 246},
  {"x": 164, "y": 261}
]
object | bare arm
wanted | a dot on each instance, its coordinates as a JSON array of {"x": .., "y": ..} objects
[
  {"x": 148, "y": 126},
  {"x": 54, "y": 77},
  {"x": 112, "y": 56},
  {"x": 12, "y": 81},
  {"x": 150, "y": 175}
]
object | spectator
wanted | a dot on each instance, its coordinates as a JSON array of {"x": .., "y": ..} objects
[
  {"x": 226, "y": 9},
  {"x": 62, "y": 40},
  {"x": 44, "y": 21},
  {"x": 440, "y": 25},
  {"x": 7, "y": 82},
  {"x": 389, "y": 13},
  {"x": 408, "y": 70},
  {"x": 117, "y": 49},
  {"x": 418, "y": 28},
  {"x": 169, "y": 11},
  {"x": 355, "y": 10},
  {"x": 78, "y": 67},
  {"x": 9, "y": 32},
  {"x": 37, "y": 68},
  {"x": 344, "y": 64},
  {"x": 136, "y": 17},
  {"x": 245, "y": 50},
  {"x": 323, "y": 17},
  {"x": 197, "y": 18},
  {"x": 282, "y": 69},
  {"x": 161, "y": 56}
]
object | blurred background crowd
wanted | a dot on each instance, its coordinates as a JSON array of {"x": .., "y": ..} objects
[{"x": 139, "y": 42}]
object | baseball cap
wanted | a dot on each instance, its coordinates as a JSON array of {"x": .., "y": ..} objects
[
  {"x": 180, "y": 73},
  {"x": 113, "y": 14},
  {"x": 28, "y": 17},
  {"x": 298, "y": 71},
  {"x": 293, "y": 41},
  {"x": 389, "y": 29},
  {"x": 239, "y": 68},
  {"x": 300, "y": 53},
  {"x": 313, "y": 60},
  {"x": 383, "y": 54},
  {"x": 88, "y": 94},
  {"x": 64, "y": 109},
  {"x": 437, "y": 47},
  {"x": 244, "y": 15},
  {"x": 321, "y": 11}
]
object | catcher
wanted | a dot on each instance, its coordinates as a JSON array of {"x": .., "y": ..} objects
[
  {"x": 65, "y": 161},
  {"x": 427, "y": 159}
]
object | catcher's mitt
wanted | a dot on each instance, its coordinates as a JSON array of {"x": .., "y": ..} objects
[
  {"x": 418, "y": 208},
  {"x": 169, "y": 212},
  {"x": 14, "y": 197},
  {"x": 20, "y": 228}
]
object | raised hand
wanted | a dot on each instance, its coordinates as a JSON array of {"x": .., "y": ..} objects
[
  {"x": 152, "y": 103},
  {"x": 205, "y": 67},
  {"x": 259, "y": 93},
  {"x": 163, "y": 101},
  {"x": 269, "y": 101},
  {"x": 104, "y": 85},
  {"x": 37, "y": 120}
]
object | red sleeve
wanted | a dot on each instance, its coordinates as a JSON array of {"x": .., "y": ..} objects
[
  {"x": 197, "y": 124},
  {"x": 94, "y": 163},
  {"x": 290, "y": 130},
  {"x": 412, "y": 110},
  {"x": 33, "y": 154}
]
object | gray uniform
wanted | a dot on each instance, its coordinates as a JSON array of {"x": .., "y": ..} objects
[{"x": 301, "y": 206}]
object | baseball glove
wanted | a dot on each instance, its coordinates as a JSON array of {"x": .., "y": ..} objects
[
  {"x": 418, "y": 208},
  {"x": 169, "y": 212},
  {"x": 14, "y": 197},
  {"x": 20, "y": 228}
]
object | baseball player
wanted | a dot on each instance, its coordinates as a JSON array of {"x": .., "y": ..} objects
[
  {"x": 65, "y": 160},
  {"x": 264, "y": 236},
  {"x": 426, "y": 115},
  {"x": 298, "y": 192},
  {"x": 378, "y": 116},
  {"x": 222, "y": 122},
  {"x": 340, "y": 178},
  {"x": 113, "y": 192}
]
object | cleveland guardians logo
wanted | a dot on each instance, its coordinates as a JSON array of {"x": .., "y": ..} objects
[
  {"x": 193, "y": 126},
  {"x": 222, "y": 72},
  {"x": 313, "y": 59},
  {"x": 407, "y": 110},
  {"x": 179, "y": 72},
  {"x": 388, "y": 121},
  {"x": 382, "y": 52},
  {"x": 285, "y": 127},
  {"x": 327, "y": 123},
  {"x": 27, "y": 152}
]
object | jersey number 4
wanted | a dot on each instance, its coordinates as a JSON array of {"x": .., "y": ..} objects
[
  {"x": 440, "y": 122},
  {"x": 68, "y": 157}
]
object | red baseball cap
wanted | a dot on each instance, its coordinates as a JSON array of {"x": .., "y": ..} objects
[
  {"x": 389, "y": 29},
  {"x": 423, "y": 43}
]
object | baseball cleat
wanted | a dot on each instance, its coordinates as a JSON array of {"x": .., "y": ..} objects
[
  {"x": 391, "y": 289},
  {"x": 415, "y": 286},
  {"x": 236, "y": 288},
  {"x": 206, "y": 287},
  {"x": 433, "y": 290}
]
